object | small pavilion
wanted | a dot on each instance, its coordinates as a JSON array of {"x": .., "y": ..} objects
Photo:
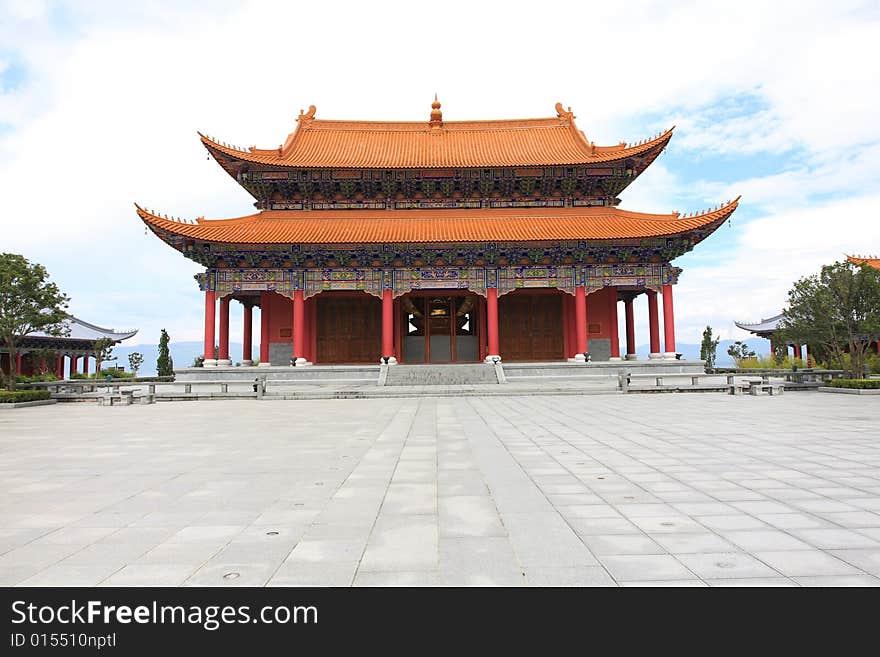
[
  {"x": 78, "y": 343},
  {"x": 767, "y": 329}
]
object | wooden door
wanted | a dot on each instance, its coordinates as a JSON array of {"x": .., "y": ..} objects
[
  {"x": 530, "y": 326},
  {"x": 349, "y": 329}
]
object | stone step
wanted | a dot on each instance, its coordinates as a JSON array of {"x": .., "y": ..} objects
[{"x": 451, "y": 374}]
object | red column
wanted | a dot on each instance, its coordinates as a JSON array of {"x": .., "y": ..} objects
[
  {"x": 772, "y": 352},
  {"x": 299, "y": 326},
  {"x": 397, "y": 327},
  {"x": 492, "y": 321},
  {"x": 797, "y": 351},
  {"x": 580, "y": 320},
  {"x": 668, "y": 321},
  {"x": 388, "y": 326},
  {"x": 654, "y": 323},
  {"x": 73, "y": 363},
  {"x": 224, "y": 330},
  {"x": 86, "y": 364},
  {"x": 18, "y": 363},
  {"x": 59, "y": 366},
  {"x": 264, "y": 328},
  {"x": 612, "y": 318},
  {"x": 246, "y": 329},
  {"x": 630, "y": 330},
  {"x": 210, "y": 299}
]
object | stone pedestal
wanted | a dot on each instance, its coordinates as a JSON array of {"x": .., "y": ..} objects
[
  {"x": 209, "y": 362},
  {"x": 224, "y": 362}
]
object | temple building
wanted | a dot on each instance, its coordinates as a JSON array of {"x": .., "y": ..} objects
[
  {"x": 767, "y": 329},
  {"x": 38, "y": 352},
  {"x": 437, "y": 242}
]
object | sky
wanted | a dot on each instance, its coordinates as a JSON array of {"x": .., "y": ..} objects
[{"x": 100, "y": 103}]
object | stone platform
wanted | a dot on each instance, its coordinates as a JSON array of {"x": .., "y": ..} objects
[{"x": 600, "y": 373}]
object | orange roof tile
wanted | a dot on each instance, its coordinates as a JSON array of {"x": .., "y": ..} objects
[
  {"x": 418, "y": 226},
  {"x": 871, "y": 261},
  {"x": 431, "y": 144}
]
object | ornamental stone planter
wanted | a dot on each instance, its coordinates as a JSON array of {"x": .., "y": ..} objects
[
  {"x": 37, "y": 402},
  {"x": 849, "y": 391}
]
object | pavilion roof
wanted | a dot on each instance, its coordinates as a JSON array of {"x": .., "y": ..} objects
[
  {"x": 447, "y": 225},
  {"x": 81, "y": 330},
  {"x": 320, "y": 143},
  {"x": 764, "y": 326},
  {"x": 871, "y": 261}
]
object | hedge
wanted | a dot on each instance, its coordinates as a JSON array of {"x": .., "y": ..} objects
[
  {"x": 859, "y": 384},
  {"x": 17, "y": 396}
]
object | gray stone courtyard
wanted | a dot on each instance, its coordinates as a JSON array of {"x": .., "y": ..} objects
[{"x": 683, "y": 489}]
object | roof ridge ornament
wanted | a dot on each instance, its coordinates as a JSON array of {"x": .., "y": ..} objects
[
  {"x": 307, "y": 116},
  {"x": 562, "y": 113}
]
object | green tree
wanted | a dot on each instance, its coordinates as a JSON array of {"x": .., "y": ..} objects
[
  {"x": 103, "y": 350},
  {"x": 135, "y": 360},
  {"x": 164, "y": 364},
  {"x": 838, "y": 310},
  {"x": 740, "y": 351},
  {"x": 709, "y": 348},
  {"x": 28, "y": 302}
]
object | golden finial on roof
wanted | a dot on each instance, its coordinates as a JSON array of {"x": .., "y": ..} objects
[{"x": 436, "y": 114}]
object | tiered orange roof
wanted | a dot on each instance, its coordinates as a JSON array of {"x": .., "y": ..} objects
[
  {"x": 871, "y": 261},
  {"x": 318, "y": 143},
  {"x": 421, "y": 226}
]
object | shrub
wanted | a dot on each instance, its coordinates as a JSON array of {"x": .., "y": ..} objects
[
  {"x": 36, "y": 378},
  {"x": 18, "y": 396},
  {"x": 112, "y": 371},
  {"x": 78, "y": 375},
  {"x": 857, "y": 384},
  {"x": 770, "y": 363}
]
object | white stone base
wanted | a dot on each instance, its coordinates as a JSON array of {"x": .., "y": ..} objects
[
  {"x": 209, "y": 362},
  {"x": 491, "y": 359},
  {"x": 391, "y": 360},
  {"x": 225, "y": 362},
  {"x": 655, "y": 356},
  {"x": 265, "y": 365},
  {"x": 579, "y": 358},
  {"x": 668, "y": 355},
  {"x": 247, "y": 363},
  {"x": 301, "y": 362},
  {"x": 631, "y": 357},
  {"x": 615, "y": 359}
]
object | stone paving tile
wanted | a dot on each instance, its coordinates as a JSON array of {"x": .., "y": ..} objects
[
  {"x": 149, "y": 575},
  {"x": 693, "y": 543},
  {"x": 802, "y": 563},
  {"x": 610, "y": 544},
  {"x": 725, "y": 565},
  {"x": 631, "y": 479},
  {"x": 568, "y": 576},
  {"x": 839, "y": 580},
  {"x": 646, "y": 567},
  {"x": 754, "y": 540},
  {"x": 70, "y": 575},
  {"x": 753, "y": 582}
]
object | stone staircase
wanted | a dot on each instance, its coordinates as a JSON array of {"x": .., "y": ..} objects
[{"x": 441, "y": 375}]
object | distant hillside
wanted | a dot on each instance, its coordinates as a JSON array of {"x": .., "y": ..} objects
[
  {"x": 692, "y": 351},
  {"x": 183, "y": 353}
]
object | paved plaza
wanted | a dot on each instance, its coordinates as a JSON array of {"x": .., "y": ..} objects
[{"x": 663, "y": 489}]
